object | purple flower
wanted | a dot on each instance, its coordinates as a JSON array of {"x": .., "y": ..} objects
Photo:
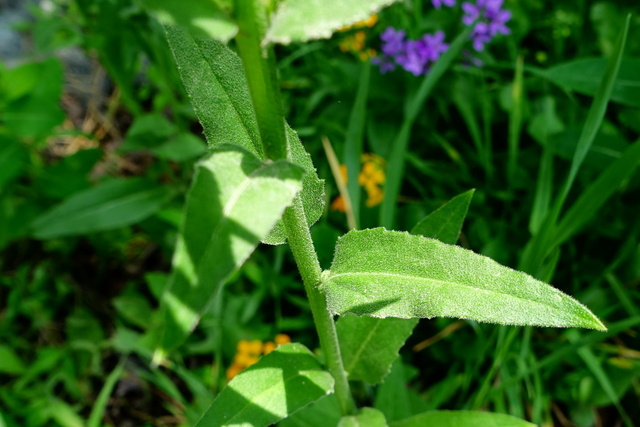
[
  {"x": 438, "y": 3},
  {"x": 433, "y": 45},
  {"x": 414, "y": 56},
  {"x": 412, "y": 59},
  {"x": 490, "y": 20},
  {"x": 393, "y": 41}
]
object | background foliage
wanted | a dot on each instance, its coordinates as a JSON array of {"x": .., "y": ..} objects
[{"x": 97, "y": 148}]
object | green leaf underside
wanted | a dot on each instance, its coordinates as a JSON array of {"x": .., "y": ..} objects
[
  {"x": 369, "y": 345},
  {"x": 446, "y": 222},
  {"x": 282, "y": 382},
  {"x": 302, "y": 20},
  {"x": 382, "y": 273},
  {"x": 110, "y": 205},
  {"x": 214, "y": 78},
  {"x": 233, "y": 202},
  {"x": 312, "y": 189},
  {"x": 584, "y": 76},
  {"x": 461, "y": 419},
  {"x": 368, "y": 417}
]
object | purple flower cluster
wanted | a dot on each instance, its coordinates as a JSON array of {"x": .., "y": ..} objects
[
  {"x": 491, "y": 20},
  {"x": 414, "y": 56}
]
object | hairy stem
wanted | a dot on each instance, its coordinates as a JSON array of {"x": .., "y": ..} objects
[
  {"x": 260, "y": 69},
  {"x": 307, "y": 261}
]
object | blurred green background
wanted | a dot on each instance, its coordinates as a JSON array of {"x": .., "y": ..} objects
[{"x": 97, "y": 146}]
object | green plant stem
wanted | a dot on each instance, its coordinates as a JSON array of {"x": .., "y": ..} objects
[
  {"x": 260, "y": 69},
  {"x": 305, "y": 255}
]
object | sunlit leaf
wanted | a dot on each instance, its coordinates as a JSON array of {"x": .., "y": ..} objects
[
  {"x": 234, "y": 201},
  {"x": 382, "y": 273},
  {"x": 302, "y": 20},
  {"x": 214, "y": 78},
  {"x": 282, "y": 382}
]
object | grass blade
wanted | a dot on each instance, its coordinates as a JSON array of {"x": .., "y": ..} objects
[
  {"x": 395, "y": 167},
  {"x": 542, "y": 243},
  {"x": 354, "y": 140},
  {"x": 99, "y": 406}
]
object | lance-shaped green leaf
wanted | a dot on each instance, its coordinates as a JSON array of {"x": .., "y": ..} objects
[
  {"x": 234, "y": 201},
  {"x": 382, "y": 273},
  {"x": 461, "y": 419},
  {"x": 302, "y": 20},
  {"x": 368, "y": 417},
  {"x": 282, "y": 382},
  {"x": 445, "y": 222},
  {"x": 110, "y": 205},
  {"x": 214, "y": 78},
  {"x": 369, "y": 345}
]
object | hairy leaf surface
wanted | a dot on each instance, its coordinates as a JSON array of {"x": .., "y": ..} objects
[
  {"x": 214, "y": 78},
  {"x": 446, "y": 222},
  {"x": 302, "y": 20},
  {"x": 369, "y": 345},
  {"x": 382, "y": 273},
  {"x": 282, "y": 382},
  {"x": 234, "y": 201}
]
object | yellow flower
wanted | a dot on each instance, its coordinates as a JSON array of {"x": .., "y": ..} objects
[
  {"x": 269, "y": 346},
  {"x": 369, "y": 22},
  {"x": 249, "y": 352},
  {"x": 282, "y": 339},
  {"x": 234, "y": 370},
  {"x": 355, "y": 43},
  {"x": 338, "y": 204},
  {"x": 371, "y": 178}
]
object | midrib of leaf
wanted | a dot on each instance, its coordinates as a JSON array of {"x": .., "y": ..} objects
[
  {"x": 427, "y": 281},
  {"x": 357, "y": 354},
  {"x": 257, "y": 397}
]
